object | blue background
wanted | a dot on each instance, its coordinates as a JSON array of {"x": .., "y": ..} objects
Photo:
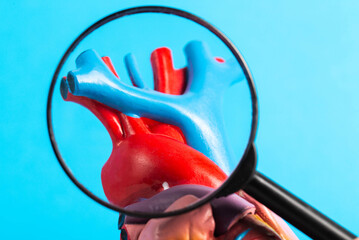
[{"x": 304, "y": 57}]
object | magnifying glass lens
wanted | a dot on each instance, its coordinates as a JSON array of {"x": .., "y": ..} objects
[{"x": 150, "y": 108}]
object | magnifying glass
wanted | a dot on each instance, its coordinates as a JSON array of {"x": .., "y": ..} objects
[{"x": 163, "y": 140}]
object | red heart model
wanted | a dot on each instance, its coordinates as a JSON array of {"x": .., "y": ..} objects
[{"x": 149, "y": 156}]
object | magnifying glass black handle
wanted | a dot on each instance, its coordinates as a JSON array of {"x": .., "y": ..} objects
[{"x": 295, "y": 211}]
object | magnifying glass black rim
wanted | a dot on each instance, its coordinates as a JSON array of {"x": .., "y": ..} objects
[{"x": 164, "y": 10}]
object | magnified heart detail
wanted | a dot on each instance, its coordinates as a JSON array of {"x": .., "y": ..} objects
[{"x": 156, "y": 162}]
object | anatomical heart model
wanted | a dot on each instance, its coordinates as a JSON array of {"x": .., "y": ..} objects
[{"x": 169, "y": 146}]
